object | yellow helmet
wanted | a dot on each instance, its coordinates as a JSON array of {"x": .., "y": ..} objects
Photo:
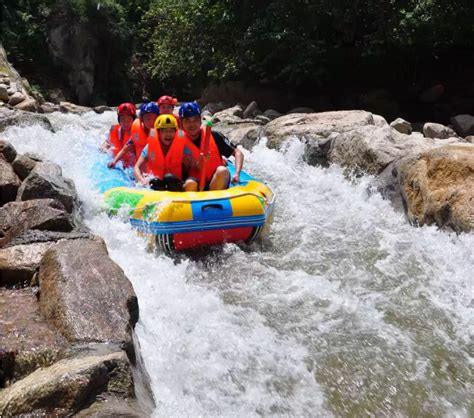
[{"x": 166, "y": 121}]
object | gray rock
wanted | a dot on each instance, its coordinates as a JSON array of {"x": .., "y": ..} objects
[
  {"x": 263, "y": 119},
  {"x": 85, "y": 294},
  {"x": 23, "y": 166},
  {"x": 402, "y": 126},
  {"x": 271, "y": 114},
  {"x": 49, "y": 107},
  {"x": 10, "y": 117},
  {"x": 42, "y": 214},
  {"x": 7, "y": 150},
  {"x": 463, "y": 125},
  {"x": 251, "y": 110},
  {"x": 386, "y": 183},
  {"x": 102, "y": 109},
  {"x": 233, "y": 114},
  {"x": 111, "y": 406},
  {"x": 27, "y": 341},
  {"x": 245, "y": 134},
  {"x": 301, "y": 110},
  {"x": 4, "y": 93},
  {"x": 34, "y": 157},
  {"x": 46, "y": 181},
  {"x": 20, "y": 262},
  {"x": 5, "y": 80},
  {"x": 16, "y": 98},
  {"x": 9, "y": 182},
  {"x": 379, "y": 120},
  {"x": 33, "y": 236},
  {"x": 470, "y": 139},
  {"x": 68, "y": 385},
  {"x": 216, "y": 107},
  {"x": 436, "y": 130}
]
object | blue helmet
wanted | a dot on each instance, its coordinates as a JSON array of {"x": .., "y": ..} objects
[
  {"x": 189, "y": 109},
  {"x": 149, "y": 107}
]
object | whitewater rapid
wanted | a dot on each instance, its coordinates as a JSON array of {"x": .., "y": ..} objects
[{"x": 345, "y": 310}]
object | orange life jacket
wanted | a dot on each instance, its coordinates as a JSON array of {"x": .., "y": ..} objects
[
  {"x": 139, "y": 136},
  {"x": 215, "y": 158},
  {"x": 158, "y": 163},
  {"x": 118, "y": 139}
]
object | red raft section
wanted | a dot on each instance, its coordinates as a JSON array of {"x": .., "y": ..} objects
[{"x": 187, "y": 240}]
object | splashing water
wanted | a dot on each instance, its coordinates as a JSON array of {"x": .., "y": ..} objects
[{"x": 346, "y": 310}]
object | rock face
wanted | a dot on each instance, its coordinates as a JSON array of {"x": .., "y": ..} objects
[
  {"x": 85, "y": 294},
  {"x": 69, "y": 384},
  {"x": 46, "y": 181},
  {"x": 27, "y": 341},
  {"x": 438, "y": 187}
]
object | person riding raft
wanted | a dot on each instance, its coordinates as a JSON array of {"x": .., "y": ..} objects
[
  {"x": 217, "y": 175},
  {"x": 121, "y": 133},
  {"x": 140, "y": 130},
  {"x": 164, "y": 157}
]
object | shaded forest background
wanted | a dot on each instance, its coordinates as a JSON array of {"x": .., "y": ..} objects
[{"x": 417, "y": 57}]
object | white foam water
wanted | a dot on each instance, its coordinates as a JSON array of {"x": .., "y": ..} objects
[{"x": 344, "y": 310}]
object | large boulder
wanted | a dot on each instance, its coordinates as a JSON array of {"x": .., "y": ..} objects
[
  {"x": 27, "y": 341},
  {"x": 245, "y": 134},
  {"x": 19, "y": 263},
  {"x": 463, "y": 125},
  {"x": 67, "y": 107},
  {"x": 69, "y": 385},
  {"x": 251, "y": 110},
  {"x": 33, "y": 236},
  {"x": 10, "y": 117},
  {"x": 16, "y": 98},
  {"x": 29, "y": 105},
  {"x": 9, "y": 182},
  {"x": 436, "y": 130},
  {"x": 402, "y": 126},
  {"x": 85, "y": 294},
  {"x": 232, "y": 114},
  {"x": 46, "y": 181},
  {"x": 438, "y": 187},
  {"x": 43, "y": 214},
  {"x": 3, "y": 93}
]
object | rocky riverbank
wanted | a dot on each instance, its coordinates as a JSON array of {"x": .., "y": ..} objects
[{"x": 67, "y": 310}]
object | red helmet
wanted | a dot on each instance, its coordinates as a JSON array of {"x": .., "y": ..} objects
[
  {"x": 127, "y": 109},
  {"x": 166, "y": 100}
]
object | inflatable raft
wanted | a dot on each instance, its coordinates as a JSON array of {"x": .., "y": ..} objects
[{"x": 178, "y": 221}]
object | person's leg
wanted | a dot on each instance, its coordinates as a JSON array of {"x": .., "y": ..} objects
[
  {"x": 220, "y": 179},
  {"x": 191, "y": 185}
]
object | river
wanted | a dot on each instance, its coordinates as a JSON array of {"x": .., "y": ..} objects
[{"x": 345, "y": 310}]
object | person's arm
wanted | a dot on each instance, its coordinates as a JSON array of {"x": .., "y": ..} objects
[
  {"x": 239, "y": 162},
  {"x": 137, "y": 170},
  {"x": 106, "y": 144},
  {"x": 118, "y": 157}
]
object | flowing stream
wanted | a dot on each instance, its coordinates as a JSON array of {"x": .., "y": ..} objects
[{"x": 345, "y": 310}]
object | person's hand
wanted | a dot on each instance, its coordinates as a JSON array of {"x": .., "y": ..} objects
[
  {"x": 145, "y": 182},
  {"x": 111, "y": 164},
  {"x": 235, "y": 178}
]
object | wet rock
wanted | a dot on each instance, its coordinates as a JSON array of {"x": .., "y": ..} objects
[
  {"x": 438, "y": 187},
  {"x": 68, "y": 385},
  {"x": 16, "y": 98},
  {"x": 10, "y": 117},
  {"x": 46, "y": 181},
  {"x": 112, "y": 406},
  {"x": 436, "y": 130},
  {"x": 271, "y": 114},
  {"x": 7, "y": 150},
  {"x": 251, "y": 110},
  {"x": 33, "y": 156},
  {"x": 233, "y": 114},
  {"x": 3, "y": 92},
  {"x": 9, "y": 182},
  {"x": 85, "y": 294},
  {"x": 30, "y": 105},
  {"x": 43, "y": 214},
  {"x": 27, "y": 341},
  {"x": 101, "y": 109},
  {"x": 386, "y": 183},
  {"x": 402, "y": 126},
  {"x": 49, "y": 107},
  {"x": 301, "y": 110},
  {"x": 67, "y": 107},
  {"x": 18, "y": 264},
  {"x": 463, "y": 125},
  {"x": 23, "y": 166}
]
